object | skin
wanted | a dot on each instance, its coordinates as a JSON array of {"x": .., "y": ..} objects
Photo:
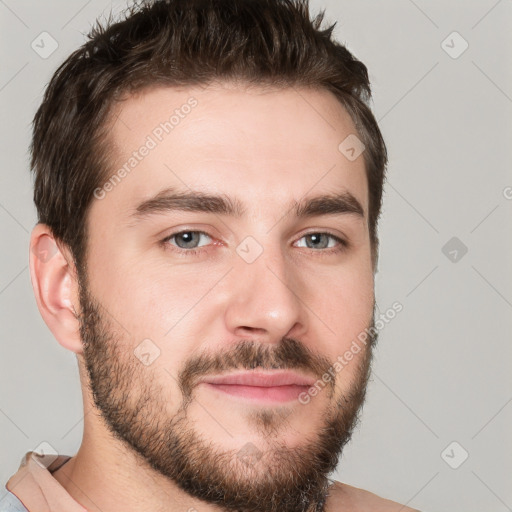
[{"x": 266, "y": 148}]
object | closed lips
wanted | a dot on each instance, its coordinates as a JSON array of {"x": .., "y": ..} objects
[{"x": 261, "y": 379}]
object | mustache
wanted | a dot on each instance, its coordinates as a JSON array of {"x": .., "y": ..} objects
[{"x": 289, "y": 354}]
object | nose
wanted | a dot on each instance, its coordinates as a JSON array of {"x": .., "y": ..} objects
[{"x": 265, "y": 299}]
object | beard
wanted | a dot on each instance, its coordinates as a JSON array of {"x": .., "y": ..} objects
[{"x": 270, "y": 477}]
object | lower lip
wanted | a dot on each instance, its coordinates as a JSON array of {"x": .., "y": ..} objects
[{"x": 268, "y": 394}]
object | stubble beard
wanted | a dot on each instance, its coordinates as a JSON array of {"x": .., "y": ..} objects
[{"x": 271, "y": 477}]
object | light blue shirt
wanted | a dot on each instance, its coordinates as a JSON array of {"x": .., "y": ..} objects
[{"x": 10, "y": 503}]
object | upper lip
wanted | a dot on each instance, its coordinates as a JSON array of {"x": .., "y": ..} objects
[{"x": 261, "y": 378}]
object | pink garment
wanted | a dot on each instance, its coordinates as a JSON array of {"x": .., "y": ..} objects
[{"x": 34, "y": 485}]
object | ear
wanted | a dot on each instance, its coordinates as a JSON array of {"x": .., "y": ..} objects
[{"x": 55, "y": 283}]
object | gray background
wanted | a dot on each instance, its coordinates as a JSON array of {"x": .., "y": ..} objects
[{"x": 442, "y": 368}]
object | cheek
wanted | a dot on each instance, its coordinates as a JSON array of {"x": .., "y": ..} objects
[
  {"x": 346, "y": 309},
  {"x": 162, "y": 304}
]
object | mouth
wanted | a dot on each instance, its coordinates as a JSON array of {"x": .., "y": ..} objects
[{"x": 271, "y": 386}]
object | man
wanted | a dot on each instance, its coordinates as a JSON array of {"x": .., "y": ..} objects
[{"x": 208, "y": 184}]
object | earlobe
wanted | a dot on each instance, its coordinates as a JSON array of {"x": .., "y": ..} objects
[{"x": 55, "y": 286}]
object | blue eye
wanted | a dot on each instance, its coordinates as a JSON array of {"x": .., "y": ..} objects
[
  {"x": 317, "y": 241},
  {"x": 187, "y": 242}
]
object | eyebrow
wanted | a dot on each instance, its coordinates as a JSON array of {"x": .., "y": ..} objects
[{"x": 169, "y": 200}]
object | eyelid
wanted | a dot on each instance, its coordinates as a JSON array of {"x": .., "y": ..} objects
[
  {"x": 338, "y": 238},
  {"x": 343, "y": 244},
  {"x": 167, "y": 239}
]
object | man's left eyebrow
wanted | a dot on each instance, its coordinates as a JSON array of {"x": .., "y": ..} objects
[
  {"x": 170, "y": 200},
  {"x": 332, "y": 204}
]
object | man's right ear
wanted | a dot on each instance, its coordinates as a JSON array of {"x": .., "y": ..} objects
[{"x": 55, "y": 283}]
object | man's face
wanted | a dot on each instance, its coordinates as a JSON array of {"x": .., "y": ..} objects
[{"x": 261, "y": 291}]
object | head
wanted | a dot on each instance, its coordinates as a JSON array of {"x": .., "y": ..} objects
[{"x": 199, "y": 216}]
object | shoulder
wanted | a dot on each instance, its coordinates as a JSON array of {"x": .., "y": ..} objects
[{"x": 345, "y": 497}]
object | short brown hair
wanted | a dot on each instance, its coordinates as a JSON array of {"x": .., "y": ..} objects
[{"x": 180, "y": 43}]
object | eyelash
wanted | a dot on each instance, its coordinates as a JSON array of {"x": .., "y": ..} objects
[{"x": 343, "y": 244}]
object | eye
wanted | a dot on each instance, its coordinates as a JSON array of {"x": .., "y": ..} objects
[
  {"x": 321, "y": 240},
  {"x": 186, "y": 241}
]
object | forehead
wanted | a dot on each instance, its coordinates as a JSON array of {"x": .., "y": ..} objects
[{"x": 263, "y": 146}]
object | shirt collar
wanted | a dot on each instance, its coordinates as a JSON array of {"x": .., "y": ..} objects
[{"x": 34, "y": 485}]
